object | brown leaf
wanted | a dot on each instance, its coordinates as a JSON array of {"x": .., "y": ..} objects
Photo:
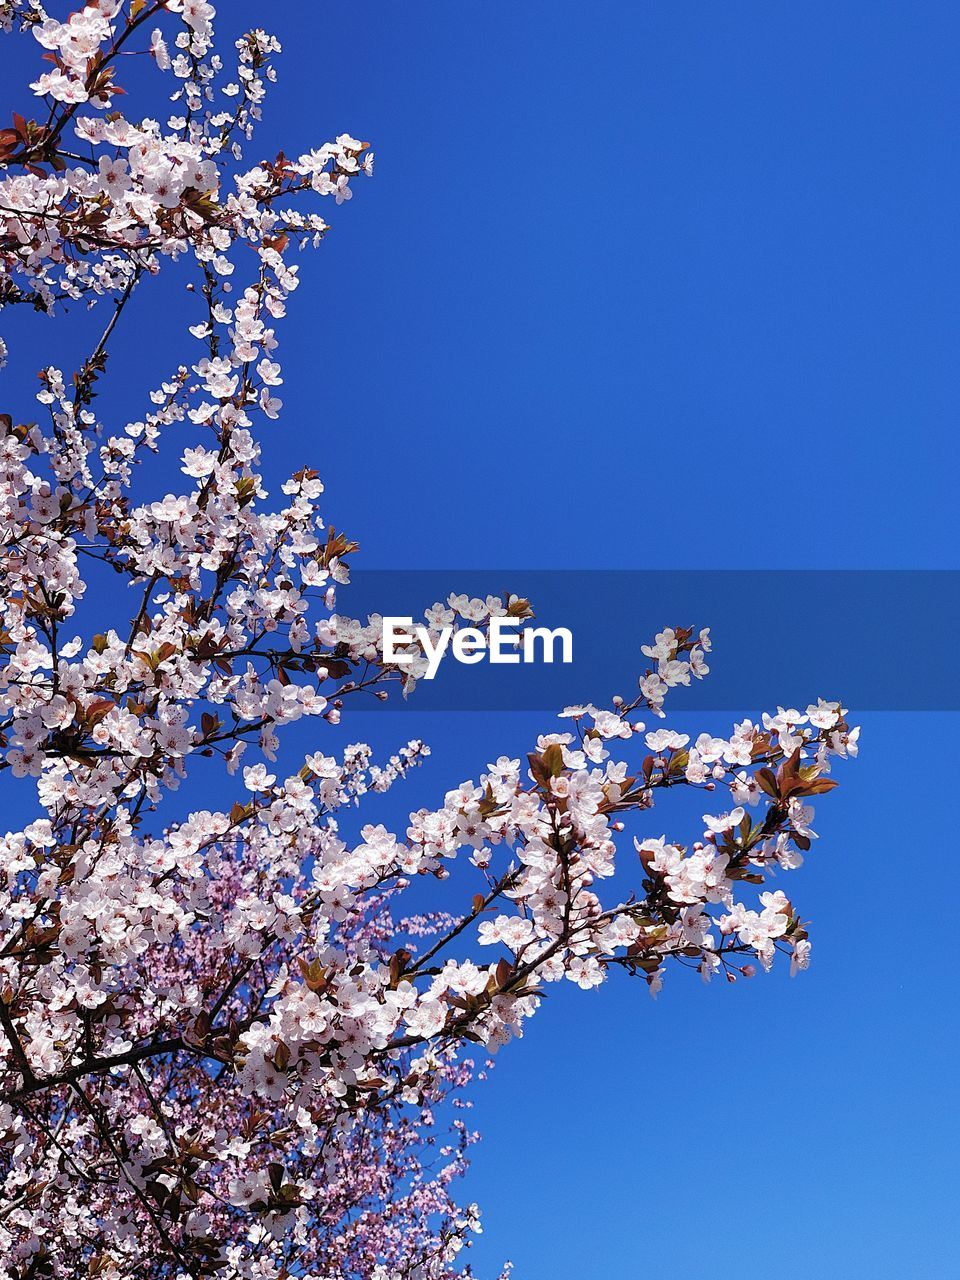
[
  {"x": 818, "y": 786},
  {"x": 767, "y": 781}
]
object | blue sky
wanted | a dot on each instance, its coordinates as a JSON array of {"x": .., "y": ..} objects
[
  {"x": 660, "y": 285},
  {"x": 629, "y": 264}
]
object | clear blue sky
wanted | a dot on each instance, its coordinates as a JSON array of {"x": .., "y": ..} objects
[{"x": 647, "y": 283}]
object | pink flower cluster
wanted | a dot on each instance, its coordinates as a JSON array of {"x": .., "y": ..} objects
[{"x": 227, "y": 1046}]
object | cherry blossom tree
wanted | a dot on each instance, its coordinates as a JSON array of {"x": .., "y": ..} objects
[{"x": 229, "y": 1046}]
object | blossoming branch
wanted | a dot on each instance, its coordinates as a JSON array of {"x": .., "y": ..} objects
[{"x": 229, "y": 1044}]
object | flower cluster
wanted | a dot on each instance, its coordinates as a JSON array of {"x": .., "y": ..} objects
[
  {"x": 91, "y": 221},
  {"x": 228, "y": 1045}
]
